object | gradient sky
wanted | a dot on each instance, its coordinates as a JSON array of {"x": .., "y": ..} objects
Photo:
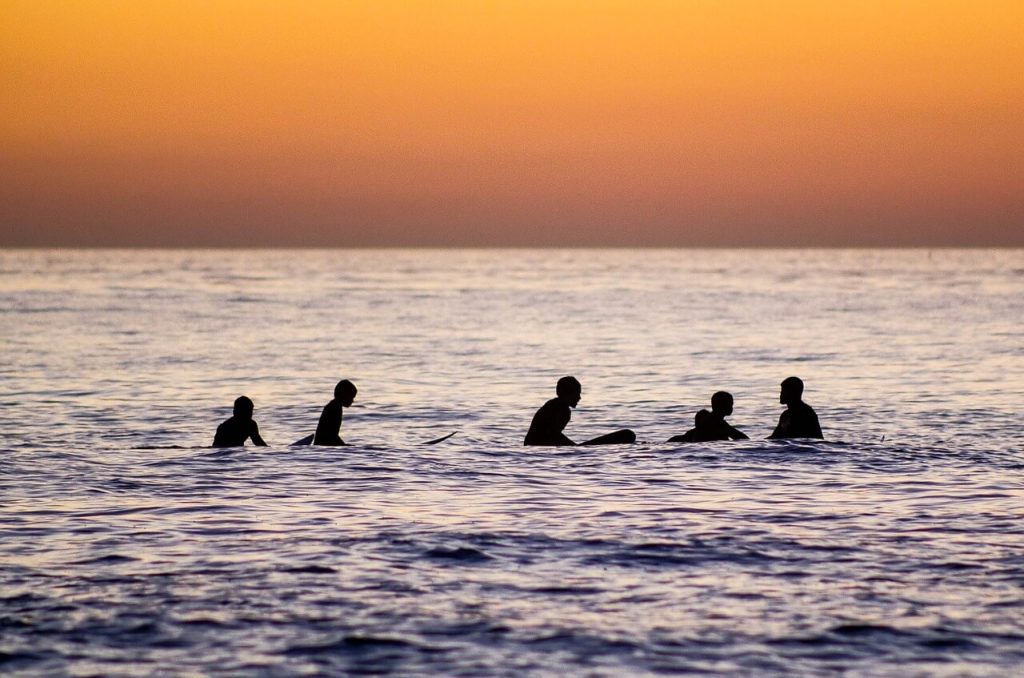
[{"x": 454, "y": 122}]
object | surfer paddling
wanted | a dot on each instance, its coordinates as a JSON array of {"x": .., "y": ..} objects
[
  {"x": 799, "y": 419},
  {"x": 553, "y": 416},
  {"x": 234, "y": 431},
  {"x": 328, "y": 429}
]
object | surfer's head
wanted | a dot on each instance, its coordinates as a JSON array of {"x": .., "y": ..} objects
[
  {"x": 792, "y": 390},
  {"x": 721, "y": 403},
  {"x": 243, "y": 407},
  {"x": 701, "y": 418},
  {"x": 345, "y": 392},
  {"x": 569, "y": 390}
]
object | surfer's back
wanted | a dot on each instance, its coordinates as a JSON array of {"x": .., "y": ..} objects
[{"x": 548, "y": 423}]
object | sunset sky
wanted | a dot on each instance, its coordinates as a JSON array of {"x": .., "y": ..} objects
[{"x": 456, "y": 122}]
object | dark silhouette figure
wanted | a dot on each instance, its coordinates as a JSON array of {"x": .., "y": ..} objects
[
  {"x": 799, "y": 419},
  {"x": 240, "y": 426},
  {"x": 710, "y": 426},
  {"x": 718, "y": 427},
  {"x": 700, "y": 421},
  {"x": 553, "y": 416},
  {"x": 328, "y": 429}
]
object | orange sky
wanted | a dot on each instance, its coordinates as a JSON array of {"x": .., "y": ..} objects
[{"x": 455, "y": 122}]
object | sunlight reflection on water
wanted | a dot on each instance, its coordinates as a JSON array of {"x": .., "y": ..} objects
[{"x": 478, "y": 556}]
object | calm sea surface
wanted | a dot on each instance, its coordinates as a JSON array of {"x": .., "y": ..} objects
[{"x": 128, "y": 547}]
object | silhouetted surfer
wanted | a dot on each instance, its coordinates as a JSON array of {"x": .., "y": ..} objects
[
  {"x": 553, "y": 416},
  {"x": 718, "y": 428},
  {"x": 328, "y": 429},
  {"x": 799, "y": 419},
  {"x": 240, "y": 426},
  {"x": 710, "y": 426},
  {"x": 700, "y": 421}
]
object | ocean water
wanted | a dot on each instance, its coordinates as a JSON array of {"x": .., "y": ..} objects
[{"x": 129, "y": 547}]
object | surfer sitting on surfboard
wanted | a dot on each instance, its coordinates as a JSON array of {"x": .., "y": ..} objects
[
  {"x": 799, "y": 420},
  {"x": 328, "y": 429},
  {"x": 553, "y": 416},
  {"x": 712, "y": 425},
  {"x": 234, "y": 430},
  {"x": 718, "y": 427},
  {"x": 700, "y": 422}
]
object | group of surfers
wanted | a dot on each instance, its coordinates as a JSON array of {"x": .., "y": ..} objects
[{"x": 548, "y": 425}]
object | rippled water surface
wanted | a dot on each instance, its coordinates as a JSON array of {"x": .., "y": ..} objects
[{"x": 128, "y": 547}]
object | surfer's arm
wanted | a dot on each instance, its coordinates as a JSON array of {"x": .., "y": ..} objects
[
  {"x": 736, "y": 434},
  {"x": 560, "y": 419},
  {"x": 687, "y": 437},
  {"x": 254, "y": 433}
]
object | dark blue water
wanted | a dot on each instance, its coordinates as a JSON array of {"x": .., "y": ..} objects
[{"x": 128, "y": 548}]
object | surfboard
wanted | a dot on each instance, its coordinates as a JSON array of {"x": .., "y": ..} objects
[
  {"x": 435, "y": 441},
  {"x": 622, "y": 437}
]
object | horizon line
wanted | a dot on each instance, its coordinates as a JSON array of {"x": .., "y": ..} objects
[{"x": 506, "y": 247}]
